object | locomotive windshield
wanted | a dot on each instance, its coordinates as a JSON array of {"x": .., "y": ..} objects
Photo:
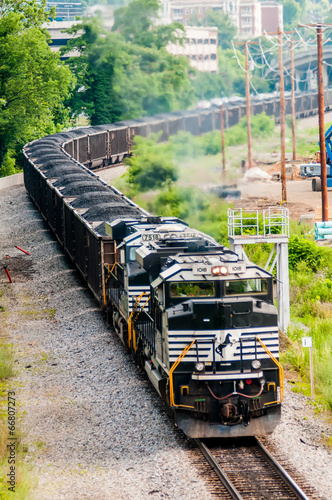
[
  {"x": 192, "y": 289},
  {"x": 246, "y": 287}
]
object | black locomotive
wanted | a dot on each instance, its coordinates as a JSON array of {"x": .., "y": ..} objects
[{"x": 199, "y": 320}]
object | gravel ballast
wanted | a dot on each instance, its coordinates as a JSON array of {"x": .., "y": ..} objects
[{"x": 93, "y": 425}]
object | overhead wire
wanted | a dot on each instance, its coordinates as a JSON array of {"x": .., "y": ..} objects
[
  {"x": 236, "y": 57},
  {"x": 262, "y": 54}
]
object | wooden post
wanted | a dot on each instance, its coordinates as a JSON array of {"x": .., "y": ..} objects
[
  {"x": 293, "y": 98},
  {"x": 311, "y": 373},
  {"x": 325, "y": 208},
  {"x": 282, "y": 121},
  {"x": 223, "y": 154},
  {"x": 248, "y": 104}
]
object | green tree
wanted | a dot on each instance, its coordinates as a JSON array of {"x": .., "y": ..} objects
[
  {"x": 136, "y": 22},
  {"x": 33, "y": 82},
  {"x": 31, "y": 12},
  {"x": 121, "y": 80},
  {"x": 291, "y": 12},
  {"x": 151, "y": 164}
]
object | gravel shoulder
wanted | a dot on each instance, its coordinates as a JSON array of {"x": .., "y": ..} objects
[{"x": 93, "y": 425}]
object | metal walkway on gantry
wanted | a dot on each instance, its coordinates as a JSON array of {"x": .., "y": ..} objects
[{"x": 249, "y": 227}]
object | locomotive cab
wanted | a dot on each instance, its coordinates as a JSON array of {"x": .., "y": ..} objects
[{"x": 216, "y": 341}]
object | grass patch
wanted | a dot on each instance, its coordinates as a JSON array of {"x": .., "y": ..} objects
[
  {"x": 22, "y": 479},
  {"x": 6, "y": 361},
  {"x": 22, "y": 474}
]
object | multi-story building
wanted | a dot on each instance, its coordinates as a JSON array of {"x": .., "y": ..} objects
[
  {"x": 250, "y": 20},
  {"x": 65, "y": 11},
  {"x": 200, "y": 47},
  {"x": 58, "y": 35},
  {"x": 251, "y": 17},
  {"x": 184, "y": 11},
  {"x": 272, "y": 16}
]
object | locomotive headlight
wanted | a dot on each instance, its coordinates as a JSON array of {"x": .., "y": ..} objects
[
  {"x": 219, "y": 270},
  {"x": 256, "y": 364},
  {"x": 199, "y": 366}
]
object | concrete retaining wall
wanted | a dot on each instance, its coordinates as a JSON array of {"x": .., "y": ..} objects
[{"x": 11, "y": 180}]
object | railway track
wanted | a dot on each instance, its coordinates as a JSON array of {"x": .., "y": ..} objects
[{"x": 247, "y": 471}]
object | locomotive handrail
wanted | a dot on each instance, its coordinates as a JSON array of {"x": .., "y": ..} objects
[
  {"x": 171, "y": 388},
  {"x": 281, "y": 372},
  {"x": 131, "y": 320}
]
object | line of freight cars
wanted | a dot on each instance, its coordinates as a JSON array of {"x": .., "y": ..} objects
[
  {"x": 109, "y": 144},
  {"x": 201, "y": 322}
]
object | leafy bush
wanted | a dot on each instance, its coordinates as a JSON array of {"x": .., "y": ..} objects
[
  {"x": 150, "y": 165},
  {"x": 261, "y": 126},
  {"x": 210, "y": 143},
  {"x": 8, "y": 164},
  {"x": 185, "y": 145},
  {"x": 303, "y": 249}
]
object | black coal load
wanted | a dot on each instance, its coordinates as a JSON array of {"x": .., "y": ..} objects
[
  {"x": 95, "y": 198},
  {"x": 72, "y": 178},
  {"x": 77, "y": 188},
  {"x": 62, "y": 170},
  {"x": 36, "y": 151},
  {"x": 49, "y": 156},
  {"x": 110, "y": 212},
  {"x": 61, "y": 162}
]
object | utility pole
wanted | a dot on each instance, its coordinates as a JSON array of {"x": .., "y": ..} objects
[
  {"x": 248, "y": 104},
  {"x": 223, "y": 153},
  {"x": 293, "y": 97},
  {"x": 319, "y": 31},
  {"x": 246, "y": 53},
  {"x": 282, "y": 120},
  {"x": 325, "y": 207}
]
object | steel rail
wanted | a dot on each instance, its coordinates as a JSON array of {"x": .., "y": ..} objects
[
  {"x": 235, "y": 494},
  {"x": 298, "y": 492},
  {"x": 218, "y": 470}
]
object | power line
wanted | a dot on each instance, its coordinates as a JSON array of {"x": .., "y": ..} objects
[{"x": 236, "y": 57}]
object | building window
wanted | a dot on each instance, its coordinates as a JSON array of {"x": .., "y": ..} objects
[
  {"x": 213, "y": 57},
  {"x": 187, "y": 11},
  {"x": 200, "y": 10},
  {"x": 206, "y": 41},
  {"x": 200, "y": 41},
  {"x": 213, "y": 41},
  {"x": 193, "y": 11}
]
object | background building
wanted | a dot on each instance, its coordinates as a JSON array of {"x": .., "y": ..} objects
[
  {"x": 251, "y": 17},
  {"x": 272, "y": 15},
  {"x": 65, "y": 11},
  {"x": 183, "y": 10},
  {"x": 200, "y": 47},
  {"x": 59, "y": 38}
]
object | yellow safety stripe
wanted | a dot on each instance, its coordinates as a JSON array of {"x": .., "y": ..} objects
[
  {"x": 131, "y": 320},
  {"x": 281, "y": 370},
  {"x": 171, "y": 387}
]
